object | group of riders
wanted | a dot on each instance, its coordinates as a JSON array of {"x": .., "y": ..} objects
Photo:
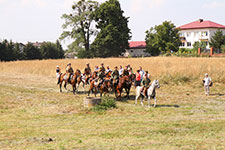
[{"x": 103, "y": 74}]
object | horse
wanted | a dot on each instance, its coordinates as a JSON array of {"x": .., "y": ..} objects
[
  {"x": 124, "y": 82},
  {"x": 80, "y": 79},
  {"x": 150, "y": 93},
  {"x": 64, "y": 78}
]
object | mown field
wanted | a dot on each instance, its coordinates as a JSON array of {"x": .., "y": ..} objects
[{"x": 34, "y": 115}]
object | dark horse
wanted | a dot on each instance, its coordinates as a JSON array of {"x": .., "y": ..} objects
[
  {"x": 72, "y": 81},
  {"x": 125, "y": 82}
]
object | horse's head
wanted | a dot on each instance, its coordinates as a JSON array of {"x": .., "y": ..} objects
[{"x": 156, "y": 84}]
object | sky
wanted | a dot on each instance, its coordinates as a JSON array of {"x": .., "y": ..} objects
[{"x": 40, "y": 20}]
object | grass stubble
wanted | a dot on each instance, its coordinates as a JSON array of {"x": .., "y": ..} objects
[{"x": 34, "y": 115}]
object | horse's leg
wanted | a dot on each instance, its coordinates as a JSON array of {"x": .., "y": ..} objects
[
  {"x": 60, "y": 86},
  {"x": 95, "y": 91},
  {"x": 142, "y": 104},
  {"x": 154, "y": 101},
  {"x": 65, "y": 85},
  {"x": 149, "y": 99},
  {"x": 137, "y": 96}
]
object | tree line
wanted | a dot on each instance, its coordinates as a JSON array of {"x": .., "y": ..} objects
[{"x": 10, "y": 51}]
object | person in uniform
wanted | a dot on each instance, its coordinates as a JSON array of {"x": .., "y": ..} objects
[
  {"x": 87, "y": 70},
  {"x": 69, "y": 71},
  {"x": 125, "y": 71},
  {"x": 146, "y": 83}
]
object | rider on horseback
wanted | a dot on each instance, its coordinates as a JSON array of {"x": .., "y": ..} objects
[
  {"x": 115, "y": 74},
  {"x": 87, "y": 70},
  {"x": 146, "y": 83},
  {"x": 125, "y": 71},
  {"x": 69, "y": 72},
  {"x": 102, "y": 74}
]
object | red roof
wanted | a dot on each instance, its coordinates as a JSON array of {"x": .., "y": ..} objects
[
  {"x": 137, "y": 44},
  {"x": 201, "y": 24}
]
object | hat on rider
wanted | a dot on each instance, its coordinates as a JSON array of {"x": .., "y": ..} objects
[
  {"x": 206, "y": 74},
  {"x": 57, "y": 66},
  {"x": 116, "y": 67},
  {"x": 68, "y": 64}
]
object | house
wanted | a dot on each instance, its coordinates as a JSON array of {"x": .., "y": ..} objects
[
  {"x": 38, "y": 44},
  {"x": 198, "y": 31},
  {"x": 136, "y": 49}
]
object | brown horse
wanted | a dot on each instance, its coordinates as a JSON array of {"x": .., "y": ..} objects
[
  {"x": 72, "y": 81},
  {"x": 124, "y": 82},
  {"x": 93, "y": 86}
]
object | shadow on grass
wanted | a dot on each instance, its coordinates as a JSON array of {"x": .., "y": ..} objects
[
  {"x": 175, "y": 106},
  {"x": 217, "y": 94}
]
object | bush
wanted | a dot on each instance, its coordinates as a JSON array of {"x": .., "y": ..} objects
[{"x": 106, "y": 103}]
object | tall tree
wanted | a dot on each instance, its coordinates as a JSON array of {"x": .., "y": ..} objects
[
  {"x": 162, "y": 38},
  {"x": 32, "y": 52},
  {"x": 60, "y": 49},
  {"x": 49, "y": 51},
  {"x": 80, "y": 22},
  {"x": 217, "y": 40},
  {"x": 114, "y": 33}
]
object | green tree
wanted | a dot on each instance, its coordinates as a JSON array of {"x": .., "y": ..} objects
[
  {"x": 114, "y": 33},
  {"x": 49, "y": 51},
  {"x": 217, "y": 40},
  {"x": 197, "y": 45},
  {"x": 80, "y": 22},
  {"x": 18, "y": 52},
  {"x": 32, "y": 52},
  {"x": 3, "y": 50},
  {"x": 162, "y": 39},
  {"x": 60, "y": 49}
]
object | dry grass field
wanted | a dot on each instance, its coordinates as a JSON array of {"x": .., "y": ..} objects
[{"x": 34, "y": 115}]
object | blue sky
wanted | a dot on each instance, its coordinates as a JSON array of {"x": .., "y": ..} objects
[{"x": 39, "y": 20}]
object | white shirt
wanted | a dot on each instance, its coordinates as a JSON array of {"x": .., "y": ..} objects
[
  {"x": 107, "y": 70},
  {"x": 207, "y": 81},
  {"x": 142, "y": 73},
  {"x": 121, "y": 71}
]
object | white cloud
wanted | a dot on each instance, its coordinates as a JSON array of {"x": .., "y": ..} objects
[{"x": 214, "y": 4}]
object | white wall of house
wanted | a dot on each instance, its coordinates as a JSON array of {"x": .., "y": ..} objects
[{"x": 196, "y": 35}]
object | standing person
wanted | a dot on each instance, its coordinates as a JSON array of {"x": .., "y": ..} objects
[
  {"x": 58, "y": 73},
  {"x": 146, "y": 72},
  {"x": 141, "y": 72},
  {"x": 207, "y": 83},
  {"x": 138, "y": 79},
  {"x": 121, "y": 70}
]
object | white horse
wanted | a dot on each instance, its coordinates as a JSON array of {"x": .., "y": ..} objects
[{"x": 150, "y": 93}]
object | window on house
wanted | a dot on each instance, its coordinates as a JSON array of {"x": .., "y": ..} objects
[
  {"x": 182, "y": 44},
  {"x": 189, "y": 44},
  {"x": 205, "y": 33},
  {"x": 188, "y": 34},
  {"x": 131, "y": 51}
]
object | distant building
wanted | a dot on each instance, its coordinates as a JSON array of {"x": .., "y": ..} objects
[
  {"x": 198, "y": 31},
  {"x": 136, "y": 49},
  {"x": 38, "y": 44}
]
